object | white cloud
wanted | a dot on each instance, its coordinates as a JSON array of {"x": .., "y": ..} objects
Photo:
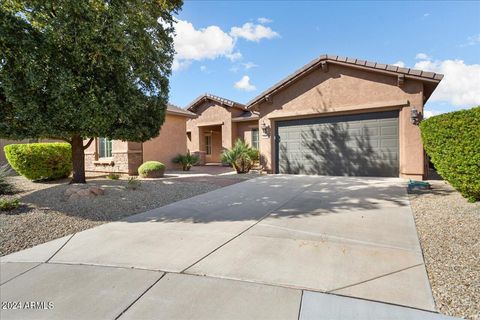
[
  {"x": 244, "y": 84},
  {"x": 253, "y": 32},
  {"x": 426, "y": 14},
  {"x": 212, "y": 42},
  {"x": 472, "y": 40},
  {"x": 431, "y": 113},
  {"x": 203, "y": 68},
  {"x": 198, "y": 44},
  {"x": 400, "y": 64},
  {"x": 249, "y": 65},
  {"x": 461, "y": 84},
  {"x": 264, "y": 20},
  {"x": 422, "y": 56}
]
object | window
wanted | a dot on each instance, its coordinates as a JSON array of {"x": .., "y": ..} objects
[
  {"x": 104, "y": 148},
  {"x": 255, "y": 138},
  {"x": 208, "y": 144}
]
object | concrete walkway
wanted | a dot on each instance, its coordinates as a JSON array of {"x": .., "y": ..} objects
[{"x": 275, "y": 247}]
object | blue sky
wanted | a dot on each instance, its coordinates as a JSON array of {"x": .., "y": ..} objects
[{"x": 255, "y": 44}]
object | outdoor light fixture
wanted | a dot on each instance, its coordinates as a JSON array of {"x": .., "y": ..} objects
[
  {"x": 265, "y": 129},
  {"x": 414, "y": 116}
]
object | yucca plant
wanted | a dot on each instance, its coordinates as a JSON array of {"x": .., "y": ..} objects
[
  {"x": 241, "y": 156},
  {"x": 186, "y": 160}
]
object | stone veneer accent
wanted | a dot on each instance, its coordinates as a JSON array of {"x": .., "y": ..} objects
[{"x": 120, "y": 162}]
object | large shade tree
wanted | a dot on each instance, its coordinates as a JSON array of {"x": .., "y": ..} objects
[{"x": 74, "y": 70}]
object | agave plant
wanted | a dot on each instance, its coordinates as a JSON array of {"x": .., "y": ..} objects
[
  {"x": 241, "y": 156},
  {"x": 186, "y": 160}
]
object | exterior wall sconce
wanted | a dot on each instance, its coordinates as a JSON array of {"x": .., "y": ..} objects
[
  {"x": 265, "y": 129},
  {"x": 415, "y": 116}
]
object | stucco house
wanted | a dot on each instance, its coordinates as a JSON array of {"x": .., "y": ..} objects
[
  {"x": 106, "y": 155},
  {"x": 334, "y": 116},
  {"x": 219, "y": 123}
]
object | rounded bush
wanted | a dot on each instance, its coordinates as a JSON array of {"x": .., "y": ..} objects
[
  {"x": 151, "y": 169},
  {"x": 452, "y": 141},
  {"x": 40, "y": 161}
]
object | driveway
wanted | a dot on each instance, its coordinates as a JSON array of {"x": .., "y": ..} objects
[{"x": 277, "y": 247}]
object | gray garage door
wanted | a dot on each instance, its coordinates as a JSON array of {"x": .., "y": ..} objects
[{"x": 353, "y": 145}]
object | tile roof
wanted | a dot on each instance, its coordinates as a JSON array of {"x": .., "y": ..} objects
[
  {"x": 374, "y": 66},
  {"x": 208, "y": 96},
  {"x": 171, "y": 108},
  {"x": 246, "y": 116}
]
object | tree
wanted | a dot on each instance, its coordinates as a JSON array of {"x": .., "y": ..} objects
[{"x": 74, "y": 70}]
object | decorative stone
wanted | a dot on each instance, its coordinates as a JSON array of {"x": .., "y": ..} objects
[
  {"x": 97, "y": 191},
  {"x": 75, "y": 193},
  {"x": 71, "y": 190}
]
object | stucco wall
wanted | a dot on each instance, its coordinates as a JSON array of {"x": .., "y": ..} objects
[
  {"x": 171, "y": 142},
  {"x": 244, "y": 130},
  {"x": 128, "y": 156},
  {"x": 210, "y": 114},
  {"x": 348, "y": 90}
]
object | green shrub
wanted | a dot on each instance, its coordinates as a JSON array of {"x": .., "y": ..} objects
[
  {"x": 133, "y": 183},
  {"x": 9, "y": 204},
  {"x": 186, "y": 160},
  {"x": 151, "y": 169},
  {"x": 113, "y": 176},
  {"x": 40, "y": 161},
  {"x": 452, "y": 141},
  {"x": 241, "y": 156},
  {"x": 5, "y": 186}
]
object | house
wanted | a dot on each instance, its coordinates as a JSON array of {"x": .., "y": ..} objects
[
  {"x": 334, "y": 116},
  {"x": 219, "y": 123},
  {"x": 105, "y": 155}
]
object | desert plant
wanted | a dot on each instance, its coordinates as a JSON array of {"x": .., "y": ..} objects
[
  {"x": 133, "y": 183},
  {"x": 5, "y": 186},
  {"x": 40, "y": 161},
  {"x": 9, "y": 204},
  {"x": 113, "y": 176},
  {"x": 151, "y": 169},
  {"x": 241, "y": 157},
  {"x": 186, "y": 160},
  {"x": 452, "y": 141}
]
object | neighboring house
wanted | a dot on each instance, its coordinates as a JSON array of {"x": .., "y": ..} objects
[
  {"x": 106, "y": 155},
  {"x": 219, "y": 123},
  {"x": 334, "y": 116}
]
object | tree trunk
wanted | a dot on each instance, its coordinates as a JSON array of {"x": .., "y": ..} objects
[{"x": 78, "y": 159}]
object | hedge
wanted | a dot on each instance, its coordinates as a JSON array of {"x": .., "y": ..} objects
[
  {"x": 151, "y": 169},
  {"x": 452, "y": 141},
  {"x": 40, "y": 161}
]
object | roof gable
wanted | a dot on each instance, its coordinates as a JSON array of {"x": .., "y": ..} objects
[
  {"x": 323, "y": 60},
  {"x": 173, "y": 109},
  {"x": 193, "y": 106}
]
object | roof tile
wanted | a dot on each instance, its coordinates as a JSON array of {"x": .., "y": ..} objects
[
  {"x": 316, "y": 62},
  {"x": 392, "y": 68}
]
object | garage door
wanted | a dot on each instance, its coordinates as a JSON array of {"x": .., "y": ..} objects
[{"x": 353, "y": 145}]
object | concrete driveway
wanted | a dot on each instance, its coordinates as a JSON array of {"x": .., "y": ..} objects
[{"x": 275, "y": 247}]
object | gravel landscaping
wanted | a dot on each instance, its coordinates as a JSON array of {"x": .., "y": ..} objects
[
  {"x": 47, "y": 212},
  {"x": 449, "y": 231}
]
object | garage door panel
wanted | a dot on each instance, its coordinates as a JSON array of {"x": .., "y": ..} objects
[{"x": 362, "y": 145}]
